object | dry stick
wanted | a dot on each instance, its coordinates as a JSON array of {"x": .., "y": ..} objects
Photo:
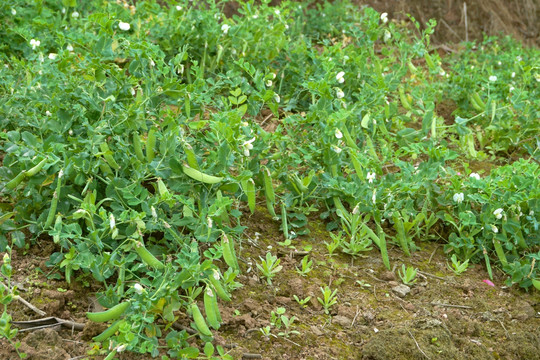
[
  {"x": 433, "y": 253},
  {"x": 251, "y": 356},
  {"x": 355, "y": 316},
  {"x": 266, "y": 119},
  {"x": 450, "y": 305},
  {"x": 32, "y": 307},
  {"x": 431, "y": 275},
  {"x": 449, "y": 28},
  {"x": 418, "y": 346},
  {"x": 505, "y": 331},
  {"x": 466, "y": 24}
]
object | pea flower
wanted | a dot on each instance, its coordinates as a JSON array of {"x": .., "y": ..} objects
[
  {"x": 124, "y": 26},
  {"x": 138, "y": 288},
  {"x": 387, "y": 35},
  {"x": 225, "y": 28},
  {"x": 13, "y": 12},
  {"x": 459, "y": 197},
  {"x": 178, "y": 8},
  {"x": 384, "y": 17},
  {"x": 494, "y": 229},
  {"x": 475, "y": 176},
  {"x": 370, "y": 177},
  {"x": 121, "y": 348},
  {"x": 52, "y": 56},
  {"x": 69, "y": 47},
  {"x": 269, "y": 83},
  {"x": 498, "y": 213},
  {"x": 112, "y": 221},
  {"x": 338, "y": 134},
  {"x": 34, "y": 43},
  {"x": 48, "y": 113},
  {"x": 336, "y": 149},
  {"x": 277, "y": 12},
  {"x": 75, "y": 14},
  {"x": 340, "y": 78},
  {"x": 277, "y": 98},
  {"x": 492, "y": 78},
  {"x": 339, "y": 93},
  {"x": 247, "y": 145}
]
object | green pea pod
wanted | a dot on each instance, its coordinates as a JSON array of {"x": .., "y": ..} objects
[
  {"x": 220, "y": 291},
  {"x": 147, "y": 257},
  {"x": 229, "y": 254},
  {"x": 199, "y": 320},
  {"x": 285, "y": 227},
  {"x": 190, "y": 155},
  {"x": 54, "y": 201},
  {"x": 113, "y": 313},
  {"x": 137, "y": 147},
  {"x": 200, "y": 176},
  {"x": 211, "y": 308},
  {"x": 108, "y": 332},
  {"x": 403, "y": 97},
  {"x": 33, "y": 171},
  {"x": 107, "y": 155},
  {"x": 13, "y": 183}
]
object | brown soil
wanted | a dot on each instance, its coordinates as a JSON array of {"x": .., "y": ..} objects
[{"x": 475, "y": 320}]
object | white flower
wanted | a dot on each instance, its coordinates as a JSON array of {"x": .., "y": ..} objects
[
  {"x": 269, "y": 83},
  {"x": 498, "y": 213},
  {"x": 75, "y": 14},
  {"x": 338, "y": 134},
  {"x": 339, "y": 77},
  {"x": 63, "y": 10},
  {"x": 225, "y": 28},
  {"x": 339, "y": 93},
  {"x": 69, "y": 47},
  {"x": 387, "y": 35},
  {"x": 34, "y": 43},
  {"x": 513, "y": 74},
  {"x": 336, "y": 149},
  {"x": 277, "y": 12},
  {"x": 138, "y": 288},
  {"x": 370, "y": 177},
  {"x": 255, "y": 16},
  {"x": 247, "y": 145},
  {"x": 519, "y": 58},
  {"x": 210, "y": 223},
  {"x": 48, "y": 113},
  {"x": 459, "y": 197},
  {"x": 492, "y": 78},
  {"x": 374, "y": 196},
  {"x": 499, "y": 63},
  {"x": 121, "y": 348},
  {"x": 133, "y": 92},
  {"x": 511, "y": 88},
  {"x": 124, "y": 26},
  {"x": 52, "y": 56},
  {"x": 384, "y": 17},
  {"x": 277, "y": 98},
  {"x": 112, "y": 221},
  {"x": 475, "y": 176},
  {"x": 494, "y": 229},
  {"x": 442, "y": 73},
  {"x": 178, "y": 7},
  {"x": 216, "y": 275},
  {"x": 152, "y": 63},
  {"x": 13, "y": 12}
]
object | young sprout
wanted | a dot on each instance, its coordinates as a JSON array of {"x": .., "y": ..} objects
[
  {"x": 329, "y": 298},
  {"x": 407, "y": 274},
  {"x": 306, "y": 266},
  {"x": 269, "y": 267},
  {"x": 458, "y": 267}
]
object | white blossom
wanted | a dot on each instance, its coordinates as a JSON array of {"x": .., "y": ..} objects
[
  {"x": 498, "y": 213},
  {"x": 121, "y": 348},
  {"x": 124, "y": 26},
  {"x": 387, "y": 35},
  {"x": 247, "y": 145},
  {"x": 69, "y": 47},
  {"x": 269, "y": 83},
  {"x": 277, "y": 12},
  {"x": 475, "y": 176},
  {"x": 138, "y": 288},
  {"x": 370, "y": 177},
  {"x": 48, "y": 113},
  {"x": 52, "y": 56},
  {"x": 13, "y": 12},
  {"x": 513, "y": 74},
  {"x": 225, "y": 28},
  {"x": 336, "y": 149},
  {"x": 493, "y": 78},
  {"x": 384, "y": 17},
  {"x": 277, "y": 98},
  {"x": 338, "y": 134},
  {"x": 112, "y": 221},
  {"x": 494, "y": 229},
  {"x": 459, "y": 197},
  {"x": 339, "y": 93},
  {"x": 34, "y": 43},
  {"x": 75, "y": 14},
  {"x": 339, "y": 77}
]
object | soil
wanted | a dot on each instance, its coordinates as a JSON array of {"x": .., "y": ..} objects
[{"x": 441, "y": 316}]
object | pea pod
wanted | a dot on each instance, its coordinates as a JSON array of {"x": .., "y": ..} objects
[
  {"x": 107, "y": 155},
  {"x": 57, "y": 228},
  {"x": 54, "y": 201},
  {"x": 33, "y": 171},
  {"x": 249, "y": 188},
  {"x": 137, "y": 147},
  {"x": 147, "y": 257},
  {"x": 220, "y": 291},
  {"x": 284, "y": 221},
  {"x": 403, "y": 98},
  {"x": 199, "y": 320},
  {"x": 200, "y": 176},
  {"x": 211, "y": 308},
  {"x": 108, "y": 332},
  {"x": 348, "y": 138},
  {"x": 150, "y": 145},
  {"x": 229, "y": 254},
  {"x": 429, "y": 61},
  {"x": 113, "y": 313},
  {"x": 13, "y": 183},
  {"x": 190, "y": 155},
  {"x": 162, "y": 189},
  {"x": 269, "y": 191}
]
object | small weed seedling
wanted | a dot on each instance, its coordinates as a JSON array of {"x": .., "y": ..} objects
[
  {"x": 335, "y": 243},
  {"x": 329, "y": 298},
  {"x": 269, "y": 267},
  {"x": 363, "y": 284},
  {"x": 302, "y": 302},
  {"x": 458, "y": 267},
  {"x": 407, "y": 275},
  {"x": 306, "y": 266}
]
